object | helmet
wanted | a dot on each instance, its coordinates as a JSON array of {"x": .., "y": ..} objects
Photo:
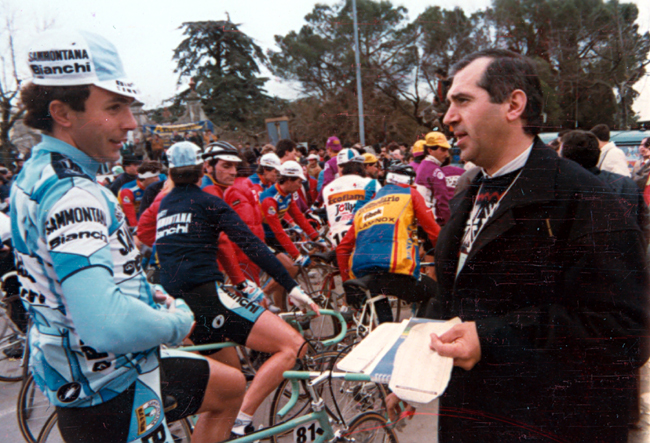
[
  {"x": 222, "y": 150},
  {"x": 270, "y": 160},
  {"x": 348, "y": 155},
  {"x": 184, "y": 154},
  {"x": 400, "y": 174},
  {"x": 291, "y": 169}
]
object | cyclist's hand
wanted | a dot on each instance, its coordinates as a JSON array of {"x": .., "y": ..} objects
[
  {"x": 322, "y": 243},
  {"x": 303, "y": 260},
  {"x": 395, "y": 409},
  {"x": 161, "y": 297},
  {"x": 302, "y": 300},
  {"x": 251, "y": 291}
]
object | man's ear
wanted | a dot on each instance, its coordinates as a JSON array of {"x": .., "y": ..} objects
[
  {"x": 516, "y": 105},
  {"x": 61, "y": 113}
]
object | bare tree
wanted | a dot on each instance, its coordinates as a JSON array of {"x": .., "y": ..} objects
[{"x": 10, "y": 76}]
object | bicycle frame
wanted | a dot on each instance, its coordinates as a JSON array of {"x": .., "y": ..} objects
[{"x": 317, "y": 404}]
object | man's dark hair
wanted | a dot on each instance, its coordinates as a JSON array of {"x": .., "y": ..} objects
[
  {"x": 37, "y": 99},
  {"x": 392, "y": 146},
  {"x": 285, "y": 145},
  {"x": 507, "y": 72},
  {"x": 601, "y": 131},
  {"x": 186, "y": 175},
  {"x": 353, "y": 168},
  {"x": 149, "y": 166},
  {"x": 283, "y": 179},
  {"x": 129, "y": 160},
  {"x": 581, "y": 147}
]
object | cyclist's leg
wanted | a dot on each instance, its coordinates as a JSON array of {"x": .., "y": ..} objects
[
  {"x": 274, "y": 336},
  {"x": 221, "y": 402},
  {"x": 202, "y": 386}
]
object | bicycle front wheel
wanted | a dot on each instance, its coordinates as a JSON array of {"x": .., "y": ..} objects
[
  {"x": 12, "y": 347},
  {"x": 369, "y": 427},
  {"x": 180, "y": 430},
  {"x": 33, "y": 410}
]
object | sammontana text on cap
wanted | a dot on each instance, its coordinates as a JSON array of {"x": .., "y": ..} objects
[
  {"x": 348, "y": 155},
  {"x": 436, "y": 139},
  {"x": 184, "y": 154},
  {"x": 270, "y": 160},
  {"x": 292, "y": 169},
  {"x": 76, "y": 58}
]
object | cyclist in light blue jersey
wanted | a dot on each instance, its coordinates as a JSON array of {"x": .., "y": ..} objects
[{"x": 98, "y": 324}]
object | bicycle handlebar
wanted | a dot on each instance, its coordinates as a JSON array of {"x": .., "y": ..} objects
[
  {"x": 291, "y": 317},
  {"x": 294, "y": 376}
]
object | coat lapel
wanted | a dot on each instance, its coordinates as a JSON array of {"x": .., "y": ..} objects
[{"x": 533, "y": 186}]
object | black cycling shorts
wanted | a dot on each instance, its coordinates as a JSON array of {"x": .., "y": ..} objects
[
  {"x": 219, "y": 315},
  {"x": 183, "y": 382}
]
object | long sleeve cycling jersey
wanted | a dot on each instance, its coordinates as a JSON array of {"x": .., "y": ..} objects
[
  {"x": 343, "y": 198},
  {"x": 383, "y": 237},
  {"x": 430, "y": 182},
  {"x": 189, "y": 224},
  {"x": 275, "y": 205},
  {"x": 96, "y": 327}
]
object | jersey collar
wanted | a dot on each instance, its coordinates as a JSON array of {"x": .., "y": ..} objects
[{"x": 89, "y": 165}]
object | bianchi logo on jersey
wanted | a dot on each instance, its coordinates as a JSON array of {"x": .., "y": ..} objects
[
  {"x": 61, "y": 240},
  {"x": 271, "y": 211},
  {"x": 174, "y": 224},
  {"x": 68, "y": 392},
  {"x": 148, "y": 415}
]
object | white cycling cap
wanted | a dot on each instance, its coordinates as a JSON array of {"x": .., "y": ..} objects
[
  {"x": 271, "y": 160},
  {"x": 348, "y": 155},
  {"x": 184, "y": 154},
  {"x": 292, "y": 169},
  {"x": 76, "y": 58}
]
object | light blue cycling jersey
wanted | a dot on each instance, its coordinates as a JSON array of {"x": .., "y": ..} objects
[{"x": 96, "y": 326}]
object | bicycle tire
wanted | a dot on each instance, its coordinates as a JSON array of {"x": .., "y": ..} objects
[
  {"x": 351, "y": 398},
  {"x": 181, "y": 431},
  {"x": 12, "y": 344},
  {"x": 370, "y": 427},
  {"x": 33, "y": 410}
]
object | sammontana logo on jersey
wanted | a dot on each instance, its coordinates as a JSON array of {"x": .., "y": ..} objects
[
  {"x": 74, "y": 215},
  {"x": 173, "y": 224},
  {"x": 55, "y": 57}
]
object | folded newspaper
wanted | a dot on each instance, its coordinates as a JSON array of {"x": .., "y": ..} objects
[{"x": 398, "y": 354}]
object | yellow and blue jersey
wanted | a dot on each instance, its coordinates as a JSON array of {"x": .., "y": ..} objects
[{"x": 386, "y": 235}]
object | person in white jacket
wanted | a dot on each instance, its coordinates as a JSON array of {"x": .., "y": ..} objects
[{"x": 612, "y": 158}]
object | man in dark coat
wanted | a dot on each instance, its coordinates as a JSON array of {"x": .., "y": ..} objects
[
  {"x": 582, "y": 148},
  {"x": 545, "y": 271}
]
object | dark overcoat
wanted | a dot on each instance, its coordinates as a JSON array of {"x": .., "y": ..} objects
[{"x": 557, "y": 285}]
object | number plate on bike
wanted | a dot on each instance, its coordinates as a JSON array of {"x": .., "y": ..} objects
[{"x": 307, "y": 433}]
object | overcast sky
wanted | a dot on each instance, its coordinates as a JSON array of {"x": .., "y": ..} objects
[{"x": 146, "y": 32}]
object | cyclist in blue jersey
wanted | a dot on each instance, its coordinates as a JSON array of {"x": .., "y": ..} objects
[
  {"x": 97, "y": 323},
  {"x": 188, "y": 228}
]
